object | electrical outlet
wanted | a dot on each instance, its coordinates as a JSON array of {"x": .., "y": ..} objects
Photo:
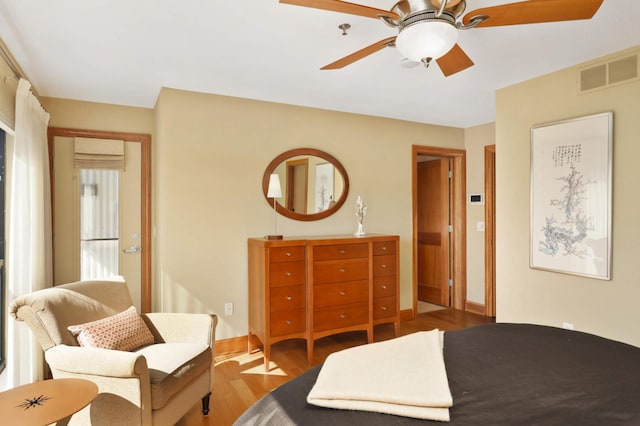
[
  {"x": 567, "y": 325},
  {"x": 228, "y": 309}
]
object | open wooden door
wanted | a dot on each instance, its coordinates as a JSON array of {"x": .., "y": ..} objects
[
  {"x": 451, "y": 291},
  {"x": 433, "y": 231}
]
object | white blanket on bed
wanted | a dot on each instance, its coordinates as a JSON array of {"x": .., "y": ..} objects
[{"x": 405, "y": 376}]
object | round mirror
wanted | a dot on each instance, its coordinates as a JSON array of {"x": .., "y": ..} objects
[{"x": 313, "y": 184}]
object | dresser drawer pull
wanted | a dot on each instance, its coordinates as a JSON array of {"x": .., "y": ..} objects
[
  {"x": 288, "y": 254},
  {"x": 288, "y": 322},
  {"x": 289, "y": 298},
  {"x": 343, "y": 316},
  {"x": 343, "y": 251},
  {"x": 384, "y": 248},
  {"x": 383, "y": 266},
  {"x": 288, "y": 274},
  {"x": 343, "y": 293},
  {"x": 384, "y": 308},
  {"x": 343, "y": 270},
  {"x": 383, "y": 286}
]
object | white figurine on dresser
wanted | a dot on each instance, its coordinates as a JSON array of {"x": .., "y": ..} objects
[{"x": 361, "y": 212}]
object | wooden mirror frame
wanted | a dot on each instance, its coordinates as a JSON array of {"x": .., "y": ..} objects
[{"x": 295, "y": 153}]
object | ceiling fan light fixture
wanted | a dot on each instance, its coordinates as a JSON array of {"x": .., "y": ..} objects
[{"x": 426, "y": 39}]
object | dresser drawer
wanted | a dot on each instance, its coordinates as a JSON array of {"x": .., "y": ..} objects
[
  {"x": 384, "y": 265},
  {"x": 340, "y": 293},
  {"x": 384, "y": 307},
  {"x": 287, "y": 298},
  {"x": 340, "y": 316},
  {"x": 384, "y": 286},
  {"x": 329, "y": 271},
  {"x": 286, "y": 254},
  {"x": 340, "y": 251},
  {"x": 384, "y": 247},
  {"x": 287, "y": 273},
  {"x": 287, "y": 322}
]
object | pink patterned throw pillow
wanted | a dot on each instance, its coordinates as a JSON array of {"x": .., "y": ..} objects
[{"x": 125, "y": 331}]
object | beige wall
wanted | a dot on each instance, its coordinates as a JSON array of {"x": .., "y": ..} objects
[
  {"x": 476, "y": 138},
  {"x": 8, "y": 86},
  {"x": 201, "y": 141},
  {"x": 209, "y": 156},
  {"x": 96, "y": 116},
  {"x": 607, "y": 308}
]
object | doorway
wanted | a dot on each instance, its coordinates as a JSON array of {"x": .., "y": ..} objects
[
  {"x": 102, "y": 210},
  {"x": 439, "y": 226}
]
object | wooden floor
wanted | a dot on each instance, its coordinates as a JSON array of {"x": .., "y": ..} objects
[{"x": 240, "y": 379}]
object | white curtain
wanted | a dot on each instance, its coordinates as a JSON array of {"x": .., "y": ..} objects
[{"x": 29, "y": 258}]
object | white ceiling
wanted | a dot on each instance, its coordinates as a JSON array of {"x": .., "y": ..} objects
[{"x": 124, "y": 51}]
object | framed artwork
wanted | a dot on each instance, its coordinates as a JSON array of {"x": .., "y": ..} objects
[
  {"x": 324, "y": 186},
  {"x": 571, "y": 169}
]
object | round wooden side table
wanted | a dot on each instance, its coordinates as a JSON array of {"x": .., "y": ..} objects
[{"x": 45, "y": 402}]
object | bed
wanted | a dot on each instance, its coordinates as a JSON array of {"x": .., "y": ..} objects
[{"x": 499, "y": 374}]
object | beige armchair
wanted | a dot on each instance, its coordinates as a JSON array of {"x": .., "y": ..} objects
[{"x": 153, "y": 385}]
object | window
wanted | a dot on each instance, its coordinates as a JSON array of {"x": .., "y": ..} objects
[{"x": 98, "y": 223}]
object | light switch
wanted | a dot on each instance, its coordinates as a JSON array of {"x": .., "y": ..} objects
[{"x": 480, "y": 226}]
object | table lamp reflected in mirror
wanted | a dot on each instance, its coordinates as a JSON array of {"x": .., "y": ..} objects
[{"x": 274, "y": 191}]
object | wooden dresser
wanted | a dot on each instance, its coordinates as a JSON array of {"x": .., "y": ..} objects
[{"x": 312, "y": 287}]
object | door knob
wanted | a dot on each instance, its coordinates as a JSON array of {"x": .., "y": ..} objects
[{"x": 132, "y": 250}]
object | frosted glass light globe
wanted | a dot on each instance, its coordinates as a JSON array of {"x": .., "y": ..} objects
[{"x": 426, "y": 39}]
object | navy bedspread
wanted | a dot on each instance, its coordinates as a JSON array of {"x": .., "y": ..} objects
[{"x": 499, "y": 374}]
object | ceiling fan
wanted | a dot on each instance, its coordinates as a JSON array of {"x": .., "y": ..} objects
[{"x": 428, "y": 29}]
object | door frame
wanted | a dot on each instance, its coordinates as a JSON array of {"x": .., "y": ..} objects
[
  {"x": 458, "y": 248},
  {"x": 145, "y": 147},
  {"x": 489, "y": 231}
]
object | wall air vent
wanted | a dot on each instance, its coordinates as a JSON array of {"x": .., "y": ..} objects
[
  {"x": 593, "y": 77},
  {"x": 620, "y": 70},
  {"x": 623, "y": 69}
]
